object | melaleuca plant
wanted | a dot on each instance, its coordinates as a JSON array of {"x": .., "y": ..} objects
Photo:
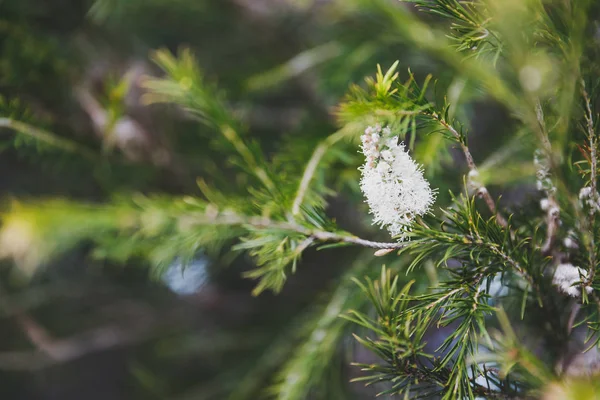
[{"x": 503, "y": 290}]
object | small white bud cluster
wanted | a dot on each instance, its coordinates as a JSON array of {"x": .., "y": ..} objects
[
  {"x": 570, "y": 241},
  {"x": 550, "y": 206},
  {"x": 392, "y": 182},
  {"x": 371, "y": 144},
  {"x": 568, "y": 279},
  {"x": 542, "y": 167},
  {"x": 474, "y": 185},
  {"x": 544, "y": 183},
  {"x": 589, "y": 199}
]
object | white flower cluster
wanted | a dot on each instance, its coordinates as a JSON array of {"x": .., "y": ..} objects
[
  {"x": 392, "y": 182},
  {"x": 566, "y": 278},
  {"x": 589, "y": 199}
]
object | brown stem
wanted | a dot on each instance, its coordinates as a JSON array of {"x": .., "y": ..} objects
[
  {"x": 552, "y": 223},
  {"x": 482, "y": 192},
  {"x": 50, "y": 350},
  {"x": 553, "y": 211},
  {"x": 589, "y": 118},
  {"x": 262, "y": 223}
]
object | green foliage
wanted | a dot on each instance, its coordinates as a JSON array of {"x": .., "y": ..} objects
[
  {"x": 308, "y": 364},
  {"x": 162, "y": 229},
  {"x": 468, "y": 23},
  {"x": 28, "y": 135},
  {"x": 386, "y": 101},
  {"x": 483, "y": 250},
  {"x": 531, "y": 59}
]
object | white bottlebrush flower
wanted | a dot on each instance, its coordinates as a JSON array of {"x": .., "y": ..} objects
[
  {"x": 566, "y": 278},
  {"x": 392, "y": 182}
]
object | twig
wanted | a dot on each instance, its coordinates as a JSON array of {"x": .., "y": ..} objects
[
  {"x": 589, "y": 118},
  {"x": 311, "y": 168},
  {"x": 553, "y": 211},
  {"x": 439, "y": 377},
  {"x": 309, "y": 172},
  {"x": 47, "y": 137},
  {"x": 266, "y": 223},
  {"x": 483, "y": 192},
  {"x": 332, "y": 237},
  {"x": 542, "y": 133},
  {"x": 572, "y": 316},
  {"x": 50, "y": 350}
]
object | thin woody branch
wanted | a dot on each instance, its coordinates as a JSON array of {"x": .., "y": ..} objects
[
  {"x": 307, "y": 176},
  {"x": 591, "y": 134},
  {"x": 482, "y": 190},
  {"x": 49, "y": 350},
  {"x": 311, "y": 168},
  {"x": 266, "y": 223},
  {"x": 48, "y": 138},
  {"x": 551, "y": 207}
]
